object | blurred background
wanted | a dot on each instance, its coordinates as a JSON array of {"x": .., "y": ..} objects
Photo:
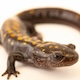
[{"x": 51, "y": 32}]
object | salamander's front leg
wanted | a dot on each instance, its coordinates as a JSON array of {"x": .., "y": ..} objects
[{"x": 11, "y": 64}]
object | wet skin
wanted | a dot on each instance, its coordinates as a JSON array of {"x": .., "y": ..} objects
[{"x": 25, "y": 44}]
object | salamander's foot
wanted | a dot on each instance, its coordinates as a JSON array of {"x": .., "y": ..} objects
[{"x": 10, "y": 72}]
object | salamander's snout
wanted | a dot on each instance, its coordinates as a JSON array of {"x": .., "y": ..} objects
[
  {"x": 71, "y": 59},
  {"x": 71, "y": 56}
]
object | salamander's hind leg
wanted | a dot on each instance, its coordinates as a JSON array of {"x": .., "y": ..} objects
[
  {"x": 11, "y": 64},
  {"x": 31, "y": 30},
  {"x": 35, "y": 34},
  {"x": 38, "y": 36}
]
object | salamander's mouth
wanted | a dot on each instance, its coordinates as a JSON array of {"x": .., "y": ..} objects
[{"x": 64, "y": 62}]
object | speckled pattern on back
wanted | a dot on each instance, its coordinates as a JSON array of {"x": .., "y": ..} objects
[{"x": 25, "y": 44}]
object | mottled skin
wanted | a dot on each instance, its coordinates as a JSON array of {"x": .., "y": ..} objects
[{"x": 24, "y": 44}]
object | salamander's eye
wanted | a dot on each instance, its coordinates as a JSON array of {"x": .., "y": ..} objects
[
  {"x": 72, "y": 46},
  {"x": 57, "y": 57}
]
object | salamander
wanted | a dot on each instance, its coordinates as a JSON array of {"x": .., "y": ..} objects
[{"x": 23, "y": 43}]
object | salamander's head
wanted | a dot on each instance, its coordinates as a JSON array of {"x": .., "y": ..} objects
[
  {"x": 62, "y": 55},
  {"x": 65, "y": 57}
]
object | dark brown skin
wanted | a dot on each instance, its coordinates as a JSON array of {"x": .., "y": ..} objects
[{"x": 24, "y": 44}]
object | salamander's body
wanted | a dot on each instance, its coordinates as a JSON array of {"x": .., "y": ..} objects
[{"x": 24, "y": 44}]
